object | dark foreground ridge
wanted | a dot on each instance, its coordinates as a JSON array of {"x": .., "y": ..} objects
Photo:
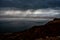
[{"x": 51, "y": 30}]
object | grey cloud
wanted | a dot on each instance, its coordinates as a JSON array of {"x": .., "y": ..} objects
[{"x": 30, "y": 13}]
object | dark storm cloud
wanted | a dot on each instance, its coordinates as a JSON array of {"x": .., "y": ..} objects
[
  {"x": 30, "y": 4},
  {"x": 8, "y": 8}
]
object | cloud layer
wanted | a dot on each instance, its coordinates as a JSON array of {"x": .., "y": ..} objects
[{"x": 30, "y": 13}]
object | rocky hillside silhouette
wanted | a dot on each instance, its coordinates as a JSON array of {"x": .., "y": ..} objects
[{"x": 51, "y": 29}]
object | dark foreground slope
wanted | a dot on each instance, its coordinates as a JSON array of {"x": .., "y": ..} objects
[{"x": 51, "y": 30}]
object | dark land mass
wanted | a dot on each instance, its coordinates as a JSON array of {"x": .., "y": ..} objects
[{"x": 49, "y": 31}]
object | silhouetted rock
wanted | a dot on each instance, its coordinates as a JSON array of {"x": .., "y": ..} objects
[{"x": 56, "y": 19}]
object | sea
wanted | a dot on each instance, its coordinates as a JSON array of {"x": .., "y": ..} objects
[{"x": 20, "y": 24}]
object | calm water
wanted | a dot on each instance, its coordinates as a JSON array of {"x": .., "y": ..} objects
[{"x": 19, "y": 24}]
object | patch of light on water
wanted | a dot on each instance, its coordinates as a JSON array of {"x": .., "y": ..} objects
[{"x": 29, "y": 19}]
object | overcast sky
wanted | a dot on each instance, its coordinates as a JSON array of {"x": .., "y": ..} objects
[
  {"x": 30, "y": 4},
  {"x": 32, "y": 8}
]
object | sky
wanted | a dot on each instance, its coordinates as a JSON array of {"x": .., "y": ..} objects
[
  {"x": 30, "y": 13},
  {"x": 30, "y": 4},
  {"x": 30, "y": 8}
]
